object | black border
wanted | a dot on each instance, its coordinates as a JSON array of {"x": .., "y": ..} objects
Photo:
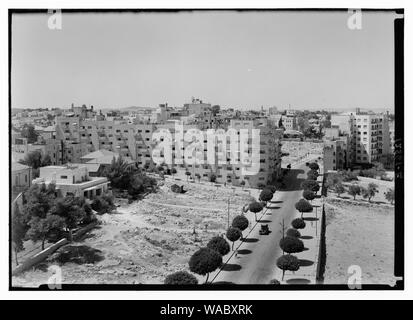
[{"x": 399, "y": 160}]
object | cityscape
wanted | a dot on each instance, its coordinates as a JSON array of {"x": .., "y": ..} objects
[{"x": 201, "y": 191}]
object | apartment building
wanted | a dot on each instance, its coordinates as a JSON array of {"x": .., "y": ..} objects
[{"x": 289, "y": 122}]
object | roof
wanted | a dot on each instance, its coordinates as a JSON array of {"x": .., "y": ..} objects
[
  {"x": 16, "y": 166},
  {"x": 91, "y": 167},
  {"x": 108, "y": 159},
  {"x": 99, "y": 153}
]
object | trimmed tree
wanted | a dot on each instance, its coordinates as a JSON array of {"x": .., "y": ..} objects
[
  {"x": 309, "y": 195},
  {"x": 266, "y": 195},
  {"x": 293, "y": 233},
  {"x": 303, "y": 206},
  {"x": 291, "y": 244},
  {"x": 298, "y": 223},
  {"x": 255, "y": 207},
  {"x": 241, "y": 222},
  {"x": 354, "y": 190},
  {"x": 390, "y": 195},
  {"x": 288, "y": 262},
  {"x": 314, "y": 166},
  {"x": 310, "y": 185},
  {"x": 233, "y": 234},
  {"x": 181, "y": 277},
  {"x": 204, "y": 261},
  {"x": 312, "y": 174},
  {"x": 219, "y": 244}
]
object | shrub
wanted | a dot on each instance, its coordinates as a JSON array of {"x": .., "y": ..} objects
[
  {"x": 233, "y": 234},
  {"x": 293, "y": 233},
  {"x": 241, "y": 222},
  {"x": 288, "y": 262},
  {"x": 177, "y": 189},
  {"x": 298, "y": 223},
  {"x": 219, "y": 244},
  {"x": 291, "y": 244},
  {"x": 205, "y": 261},
  {"x": 310, "y": 185},
  {"x": 181, "y": 277},
  {"x": 102, "y": 204},
  {"x": 308, "y": 195}
]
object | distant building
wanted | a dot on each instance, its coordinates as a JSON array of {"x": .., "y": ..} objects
[{"x": 21, "y": 176}]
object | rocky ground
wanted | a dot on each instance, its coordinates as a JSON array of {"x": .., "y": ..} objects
[
  {"x": 294, "y": 151},
  {"x": 146, "y": 240}
]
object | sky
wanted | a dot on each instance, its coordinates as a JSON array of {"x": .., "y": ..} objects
[{"x": 234, "y": 59}]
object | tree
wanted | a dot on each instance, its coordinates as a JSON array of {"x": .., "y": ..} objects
[
  {"x": 291, "y": 244},
  {"x": 181, "y": 277},
  {"x": 293, "y": 233},
  {"x": 266, "y": 195},
  {"x": 204, "y": 261},
  {"x": 370, "y": 191},
  {"x": 354, "y": 190},
  {"x": 312, "y": 175},
  {"x": 212, "y": 177},
  {"x": 288, "y": 262},
  {"x": 33, "y": 159},
  {"x": 298, "y": 223},
  {"x": 42, "y": 228},
  {"x": 303, "y": 206},
  {"x": 18, "y": 231},
  {"x": 173, "y": 171},
  {"x": 219, "y": 244},
  {"x": 310, "y": 185},
  {"x": 255, "y": 207},
  {"x": 118, "y": 173},
  {"x": 308, "y": 195},
  {"x": 215, "y": 109},
  {"x": 198, "y": 176},
  {"x": 29, "y": 133},
  {"x": 390, "y": 195},
  {"x": 339, "y": 188},
  {"x": 188, "y": 174},
  {"x": 314, "y": 166},
  {"x": 241, "y": 222},
  {"x": 280, "y": 123},
  {"x": 242, "y": 183},
  {"x": 233, "y": 234}
]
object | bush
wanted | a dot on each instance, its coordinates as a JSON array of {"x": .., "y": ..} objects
[
  {"x": 310, "y": 185},
  {"x": 348, "y": 176},
  {"x": 181, "y": 277},
  {"x": 298, "y": 223},
  {"x": 293, "y": 233},
  {"x": 266, "y": 195},
  {"x": 240, "y": 222},
  {"x": 177, "y": 189},
  {"x": 309, "y": 195},
  {"x": 102, "y": 204},
  {"x": 291, "y": 245},
  {"x": 219, "y": 244},
  {"x": 205, "y": 261}
]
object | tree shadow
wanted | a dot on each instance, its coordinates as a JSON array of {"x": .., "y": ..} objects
[
  {"x": 77, "y": 254},
  {"x": 291, "y": 181},
  {"x": 306, "y": 237},
  {"x": 249, "y": 240},
  {"x": 305, "y": 262},
  {"x": 275, "y": 201},
  {"x": 265, "y": 221},
  {"x": 222, "y": 282},
  {"x": 244, "y": 251},
  {"x": 231, "y": 267},
  {"x": 310, "y": 219},
  {"x": 273, "y": 208},
  {"x": 298, "y": 281}
]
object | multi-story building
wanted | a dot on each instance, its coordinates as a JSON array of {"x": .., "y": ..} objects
[{"x": 289, "y": 122}]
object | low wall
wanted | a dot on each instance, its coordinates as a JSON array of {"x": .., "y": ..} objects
[{"x": 39, "y": 257}]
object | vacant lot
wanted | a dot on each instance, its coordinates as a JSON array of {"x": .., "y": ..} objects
[
  {"x": 296, "y": 151},
  {"x": 146, "y": 240},
  {"x": 361, "y": 234}
]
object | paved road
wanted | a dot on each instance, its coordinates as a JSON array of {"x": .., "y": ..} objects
[{"x": 255, "y": 262}]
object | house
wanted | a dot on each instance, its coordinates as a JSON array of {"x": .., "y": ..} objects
[{"x": 21, "y": 175}]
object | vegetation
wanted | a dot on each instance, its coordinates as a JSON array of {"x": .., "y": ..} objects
[
  {"x": 312, "y": 175},
  {"x": 233, "y": 234},
  {"x": 298, "y": 223},
  {"x": 314, "y": 166},
  {"x": 18, "y": 231},
  {"x": 390, "y": 195},
  {"x": 293, "y": 233},
  {"x": 219, "y": 244},
  {"x": 370, "y": 191},
  {"x": 181, "y": 277},
  {"x": 288, "y": 262},
  {"x": 266, "y": 195},
  {"x": 103, "y": 204},
  {"x": 241, "y": 222},
  {"x": 339, "y": 188},
  {"x": 354, "y": 190},
  {"x": 291, "y": 244},
  {"x": 303, "y": 206},
  {"x": 255, "y": 207},
  {"x": 29, "y": 133},
  {"x": 309, "y": 195},
  {"x": 212, "y": 177},
  {"x": 310, "y": 185},
  {"x": 204, "y": 261}
]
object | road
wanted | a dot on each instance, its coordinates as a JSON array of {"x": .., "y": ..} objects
[{"x": 255, "y": 262}]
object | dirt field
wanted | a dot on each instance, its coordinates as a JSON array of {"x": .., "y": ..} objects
[
  {"x": 298, "y": 150},
  {"x": 360, "y": 234},
  {"x": 146, "y": 240}
]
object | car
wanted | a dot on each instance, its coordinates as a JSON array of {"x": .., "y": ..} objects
[{"x": 264, "y": 229}]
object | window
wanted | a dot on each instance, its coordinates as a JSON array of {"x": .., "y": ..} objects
[{"x": 63, "y": 177}]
